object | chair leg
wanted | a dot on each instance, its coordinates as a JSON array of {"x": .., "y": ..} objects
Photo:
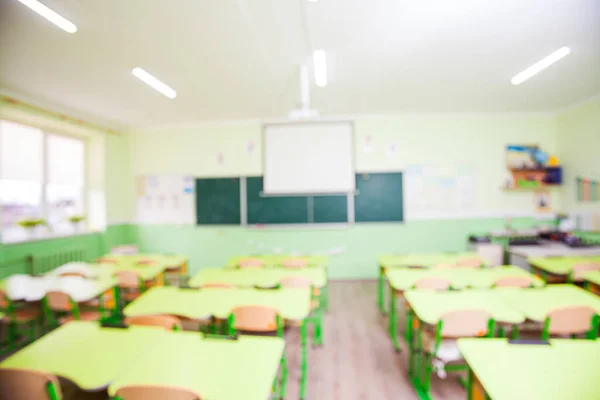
[{"x": 284, "y": 373}]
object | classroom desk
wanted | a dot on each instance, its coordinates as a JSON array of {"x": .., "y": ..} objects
[
  {"x": 85, "y": 353},
  {"x": 214, "y": 369},
  {"x": 536, "y": 303},
  {"x": 292, "y": 303},
  {"x": 428, "y": 306},
  {"x": 592, "y": 282},
  {"x": 417, "y": 260},
  {"x": 263, "y": 277},
  {"x": 94, "y": 358},
  {"x": 155, "y": 269},
  {"x": 461, "y": 278},
  {"x": 557, "y": 269},
  {"x": 91, "y": 270},
  {"x": 522, "y": 255},
  {"x": 26, "y": 288},
  {"x": 277, "y": 259},
  {"x": 565, "y": 369}
]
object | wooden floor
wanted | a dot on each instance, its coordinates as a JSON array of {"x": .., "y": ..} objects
[{"x": 358, "y": 361}]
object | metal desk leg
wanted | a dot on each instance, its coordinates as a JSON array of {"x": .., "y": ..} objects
[
  {"x": 304, "y": 361},
  {"x": 393, "y": 322}
]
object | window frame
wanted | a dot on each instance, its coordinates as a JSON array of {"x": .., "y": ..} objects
[{"x": 44, "y": 206}]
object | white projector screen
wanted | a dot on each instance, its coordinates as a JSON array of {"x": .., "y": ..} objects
[{"x": 308, "y": 158}]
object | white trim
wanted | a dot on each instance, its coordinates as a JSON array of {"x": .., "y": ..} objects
[{"x": 49, "y": 236}]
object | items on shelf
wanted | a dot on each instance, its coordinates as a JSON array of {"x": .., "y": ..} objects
[{"x": 531, "y": 168}]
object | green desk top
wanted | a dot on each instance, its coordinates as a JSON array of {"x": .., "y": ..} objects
[
  {"x": 277, "y": 259},
  {"x": 265, "y": 277},
  {"x": 166, "y": 261},
  {"x": 422, "y": 259},
  {"x": 214, "y": 369},
  {"x": 566, "y": 369},
  {"x": 536, "y": 303},
  {"x": 293, "y": 303},
  {"x": 461, "y": 278},
  {"x": 593, "y": 277},
  {"x": 429, "y": 306},
  {"x": 86, "y": 354},
  {"x": 560, "y": 265}
]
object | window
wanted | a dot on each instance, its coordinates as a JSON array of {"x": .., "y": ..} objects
[{"x": 41, "y": 177}]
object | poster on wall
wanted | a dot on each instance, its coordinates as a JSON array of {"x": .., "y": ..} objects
[
  {"x": 542, "y": 201},
  {"x": 166, "y": 199},
  {"x": 439, "y": 190}
]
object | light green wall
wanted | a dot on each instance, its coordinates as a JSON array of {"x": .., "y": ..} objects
[
  {"x": 579, "y": 140},
  {"x": 478, "y": 141}
]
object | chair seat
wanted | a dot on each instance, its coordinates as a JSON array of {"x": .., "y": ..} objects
[
  {"x": 83, "y": 316},
  {"x": 107, "y": 299},
  {"x": 130, "y": 296},
  {"x": 25, "y": 315}
]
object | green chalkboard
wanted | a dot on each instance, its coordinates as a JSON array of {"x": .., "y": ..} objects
[
  {"x": 274, "y": 209},
  {"x": 330, "y": 209},
  {"x": 378, "y": 198},
  {"x": 218, "y": 201}
]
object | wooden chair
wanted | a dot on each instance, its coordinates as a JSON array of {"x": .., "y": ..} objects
[
  {"x": 316, "y": 317},
  {"x": 176, "y": 274},
  {"x": 571, "y": 321},
  {"x": 104, "y": 260},
  {"x": 439, "y": 345},
  {"x": 251, "y": 263},
  {"x": 168, "y": 322},
  {"x": 25, "y": 384},
  {"x": 514, "y": 281},
  {"x": 15, "y": 317},
  {"x": 61, "y": 304},
  {"x": 255, "y": 319},
  {"x": 433, "y": 283},
  {"x": 294, "y": 263},
  {"x": 130, "y": 285},
  {"x": 582, "y": 268},
  {"x": 469, "y": 262},
  {"x": 155, "y": 392}
]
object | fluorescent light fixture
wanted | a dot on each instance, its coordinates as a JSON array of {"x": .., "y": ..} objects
[
  {"x": 540, "y": 65},
  {"x": 50, "y": 15},
  {"x": 155, "y": 83},
  {"x": 320, "y": 63}
]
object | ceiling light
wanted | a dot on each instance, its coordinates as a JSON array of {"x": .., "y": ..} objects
[
  {"x": 50, "y": 15},
  {"x": 540, "y": 65},
  {"x": 155, "y": 83},
  {"x": 320, "y": 66}
]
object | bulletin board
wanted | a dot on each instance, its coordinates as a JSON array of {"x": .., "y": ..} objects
[
  {"x": 166, "y": 199},
  {"x": 432, "y": 191}
]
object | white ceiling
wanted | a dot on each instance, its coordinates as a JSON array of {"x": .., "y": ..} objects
[{"x": 237, "y": 59}]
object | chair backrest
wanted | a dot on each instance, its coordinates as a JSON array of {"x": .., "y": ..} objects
[
  {"x": 294, "y": 263},
  {"x": 514, "y": 281},
  {"x": 582, "y": 268},
  {"x": 4, "y": 300},
  {"x": 221, "y": 285},
  {"x": 295, "y": 282},
  {"x": 465, "y": 323},
  {"x": 255, "y": 318},
  {"x": 72, "y": 273},
  {"x": 433, "y": 283},
  {"x": 155, "y": 392},
  {"x": 168, "y": 322},
  {"x": 59, "y": 301},
  {"x": 251, "y": 263},
  {"x": 103, "y": 260},
  {"x": 469, "y": 262},
  {"x": 571, "y": 320},
  {"x": 128, "y": 279},
  {"x": 24, "y": 384}
]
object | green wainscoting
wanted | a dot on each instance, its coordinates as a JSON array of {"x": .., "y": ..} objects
[
  {"x": 95, "y": 244},
  {"x": 211, "y": 246}
]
